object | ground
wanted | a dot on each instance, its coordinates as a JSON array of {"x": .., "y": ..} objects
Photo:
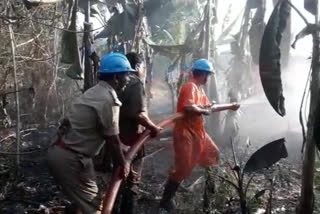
[{"x": 33, "y": 190}]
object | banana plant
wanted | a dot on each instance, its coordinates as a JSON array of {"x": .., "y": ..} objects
[
  {"x": 264, "y": 157},
  {"x": 270, "y": 53}
]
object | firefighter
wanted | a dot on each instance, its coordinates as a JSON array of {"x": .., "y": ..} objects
[
  {"x": 93, "y": 119},
  {"x": 133, "y": 119},
  {"x": 192, "y": 145}
]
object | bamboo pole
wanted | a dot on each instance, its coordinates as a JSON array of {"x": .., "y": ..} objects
[
  {"x": 208, "y": 26},
  {"x": 13, "y": 50},
  {"x": 212, "y": 82},
  {"x": 211, "y": 85},
  {"x": 207, "y": 42},
  {"x": 137, "y": 36},
  {"x": 214, "y": 121}
]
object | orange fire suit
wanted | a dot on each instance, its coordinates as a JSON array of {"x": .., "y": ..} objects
[{"x": 192, "y": 145}]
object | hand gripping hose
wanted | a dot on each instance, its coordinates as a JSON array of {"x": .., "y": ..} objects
[{"x": 114, "y": 186}]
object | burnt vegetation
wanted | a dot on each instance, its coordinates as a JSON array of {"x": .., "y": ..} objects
[{"x": 49, "y": 54}]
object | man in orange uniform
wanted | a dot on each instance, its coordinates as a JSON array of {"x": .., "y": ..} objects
[{"x": 192, "y": 145}]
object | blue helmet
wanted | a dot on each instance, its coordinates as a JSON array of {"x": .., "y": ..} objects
[
  {"x": 114, "y": 63},
  {"x": 203, "y": 65}
]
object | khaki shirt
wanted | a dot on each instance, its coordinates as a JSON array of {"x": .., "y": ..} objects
[
  {"x": 133, "y": 99},
  {"x": 93, "y": 115}
]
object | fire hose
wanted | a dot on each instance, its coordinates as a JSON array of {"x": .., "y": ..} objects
[{"x": 116, "y": 181}]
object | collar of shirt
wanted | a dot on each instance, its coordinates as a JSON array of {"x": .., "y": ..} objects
[
  {"x": 105, "y": 85},
  {"x": 197, "y": 86},
  {"x": 111, "y": 91}
]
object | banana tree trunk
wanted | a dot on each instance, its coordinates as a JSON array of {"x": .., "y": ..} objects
[
  {"x": 214, "y": 121},
  {"x": 286, "y": 41},
  {"x": 307, "y": 196}
]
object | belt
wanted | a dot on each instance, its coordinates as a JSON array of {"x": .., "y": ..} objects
[{"x": 61, "y": 144}]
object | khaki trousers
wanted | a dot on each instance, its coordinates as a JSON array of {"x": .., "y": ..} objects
[{"x": 75, "y": 173}]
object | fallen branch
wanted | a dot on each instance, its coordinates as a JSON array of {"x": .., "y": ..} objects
[
  {"x": 6, "y": 138},
  {"x": 29, "y": 41}
]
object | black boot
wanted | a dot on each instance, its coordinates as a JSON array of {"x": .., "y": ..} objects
[
  {"x": 169, "y": 192},
  {"x": 131, "y": 188}
]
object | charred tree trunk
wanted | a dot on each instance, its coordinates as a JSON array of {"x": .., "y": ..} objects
[
  {"x": 307, "y": 196},
  {"x": 149, "y": 73}
]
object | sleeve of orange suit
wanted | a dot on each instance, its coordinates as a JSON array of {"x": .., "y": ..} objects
[{"x": 187, "y": 96}]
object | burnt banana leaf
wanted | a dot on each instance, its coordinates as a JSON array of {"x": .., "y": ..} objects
[
  {"x": 311, "y": 6},
  {"x": 270, "y": 55},
  {"x": 266, "y": 156},
  {"x": 122, "y": 23},
  {"x": 29, "y": 4},
  {"x": 170, "y": 51},
  {"x": 70, "y": 49}
]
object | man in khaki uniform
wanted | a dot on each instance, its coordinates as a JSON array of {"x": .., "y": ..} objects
[{"x": 93, "y": 119}]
